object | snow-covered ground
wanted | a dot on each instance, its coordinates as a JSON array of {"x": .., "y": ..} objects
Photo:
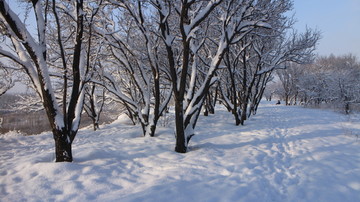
[{"x": 281, "y": 154}]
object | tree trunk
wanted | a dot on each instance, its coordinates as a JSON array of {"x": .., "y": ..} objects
[
  {"x": 243, "y": 113},
  {"x": 287, "y": 99},
  {"x": 206, "y": 111},
  {"x": 95, "y": 125},
  {"x": 347, "y": 108},
  {"x": 236, "y": 115},
  {"x": 63, "y": 150},
  {"x": 151, "y": 127},
  {"x": 210, "y": 102},
  {"x": 180, "y": 133},
  {"x": 152, "y": 130},
  {"x": 212, "y": 106}
]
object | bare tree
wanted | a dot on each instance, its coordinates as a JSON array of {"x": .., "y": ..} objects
[
  {"x": 251, "y": 63},
  {"x": 33, "y": 54},
  {"x": 94, "y": 103},
  {"x": 289, "y": 82},
  {"x": 194, "y": 55},
  {"x": 135, "y": 69}
]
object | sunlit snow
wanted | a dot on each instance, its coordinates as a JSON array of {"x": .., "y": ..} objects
[{"x": 281, "y": 154}]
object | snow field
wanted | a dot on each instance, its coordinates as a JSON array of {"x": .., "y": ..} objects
[{"x": 281, "y": 154}]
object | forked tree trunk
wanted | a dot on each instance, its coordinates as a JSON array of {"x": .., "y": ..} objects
[
  {"x": 63, "y": 150},
  {"x": 96, "y": 125}
]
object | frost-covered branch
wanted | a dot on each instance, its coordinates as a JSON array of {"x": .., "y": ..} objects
[{"x": 6, "y": 79}]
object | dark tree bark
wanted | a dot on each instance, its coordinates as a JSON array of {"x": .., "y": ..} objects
[{"x": 63, "y": 152}]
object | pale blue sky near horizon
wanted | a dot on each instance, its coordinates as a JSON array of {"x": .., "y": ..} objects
[{"x": 337, "y": 20}]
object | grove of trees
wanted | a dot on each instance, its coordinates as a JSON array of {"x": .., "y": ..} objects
[
  {"x": 331, "y": 80},
  {"x": 147, "y": 54}
]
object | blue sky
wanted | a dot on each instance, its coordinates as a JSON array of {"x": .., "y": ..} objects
[{"x": 338, "y": 21}]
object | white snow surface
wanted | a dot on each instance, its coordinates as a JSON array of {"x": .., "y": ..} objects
[{"x": 281, "y": 154}]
